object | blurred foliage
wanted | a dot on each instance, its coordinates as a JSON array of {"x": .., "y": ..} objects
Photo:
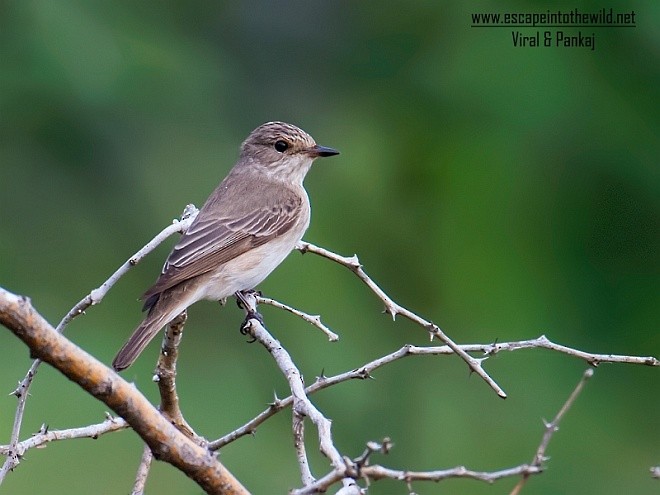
[{"x": 502, "y": 192}]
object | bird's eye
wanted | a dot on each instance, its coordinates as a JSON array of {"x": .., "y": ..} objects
[{"x": 281, "y": 146}]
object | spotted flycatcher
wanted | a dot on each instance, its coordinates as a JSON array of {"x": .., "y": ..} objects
[{"x": 246, "y": 228}]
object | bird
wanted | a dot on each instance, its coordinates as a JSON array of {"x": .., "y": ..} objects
[{"x": 246, "y": 228}]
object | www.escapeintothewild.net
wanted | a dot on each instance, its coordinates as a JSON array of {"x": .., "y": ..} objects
[{"x": 604, "y": 18}]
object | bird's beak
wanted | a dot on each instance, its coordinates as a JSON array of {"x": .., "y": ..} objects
[{"x": 322, "y": 151}]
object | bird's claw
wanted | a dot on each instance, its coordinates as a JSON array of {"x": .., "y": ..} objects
[
  {"x": 245, "y": 326},
  {"x": 251, "y": 313}
]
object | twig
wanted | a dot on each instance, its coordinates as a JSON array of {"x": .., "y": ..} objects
[
  {"x": 94, "y": 297},
  {"x": 394, "y": 309},
  {"x": 551, "y": 428},
  {"x": 97, "y": 295},
  {"x": 312, "y": 319},
  {"x": 302, "y": 406},
  {"x": 298, "y": 423},
  {"x": 593, "y": 359},
  {"x": 25, "y": 322},
  {"x": 377, "y": 472},
  {"x": 360, "y": 468},
  {"x": 142, "y": 471},
  {"x": 166, "y": 442},
  {"x": 45, "y": 436},
  {"x": 21, "y": 392},
  {"x": 363, "y": 372},
  {"x": 165, "y": 377}
]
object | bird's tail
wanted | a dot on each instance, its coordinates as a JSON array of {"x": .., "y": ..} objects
[
  {"x": 160, "y": 314},
  {"x": 136, "y": 343},
  {"x": 163, "y": 308}
]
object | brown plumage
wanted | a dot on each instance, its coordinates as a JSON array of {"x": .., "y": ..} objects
[{"x": 247, "y": 226}]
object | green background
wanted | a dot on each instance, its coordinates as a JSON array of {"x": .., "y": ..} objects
[{"x": 501, "y": 192}]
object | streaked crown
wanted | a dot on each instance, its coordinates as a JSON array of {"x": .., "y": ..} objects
[
  {"x": 269, "y": 133},
  {"x": 281, "y": 151}
]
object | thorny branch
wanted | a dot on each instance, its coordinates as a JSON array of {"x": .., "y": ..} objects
[
  {"x": 302, "y": 406},
  {"x": 166, "y": 442},
  {"x": 551, "y": 428},
  {"x": 377, "y": 472},
  {"x": 365, "y": 371},
  {"x": 344, "y": 469},
  {"x": 142, "y": 471},
  {"x": 45, "y": 436},
  {"x": 165, "y": 377},
  {"x": 394, "y": 309},
  {"x": 360, "y": 467},
  {"x": 312, "y": 319},
  {"x": 94, "y": 297}
]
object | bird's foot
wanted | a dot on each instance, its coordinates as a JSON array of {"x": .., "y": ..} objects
[
  {"x": 243, "y": 303},
  {"x": 245, "y": 326},
  {"x": 241, "y": 300}
]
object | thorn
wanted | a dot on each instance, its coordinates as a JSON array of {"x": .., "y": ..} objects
[
  {"x": 363, "y": 374},
  {"x": 432, "y": 329},
  {"x": 492, "y": 350},
  {"x": 390, "y": 310},
  {"x": 373, "y": 446},
  {"x": 303, "y": 247},
  {"x": 276, "y": 401},
  {"x": 354, "y": 262}
]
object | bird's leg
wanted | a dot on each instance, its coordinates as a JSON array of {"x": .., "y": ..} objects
[{"x": 249, "y": 306}]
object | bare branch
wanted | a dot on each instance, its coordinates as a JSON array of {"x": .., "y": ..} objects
[
  {"x": 45, "y": 436},
  {"x": 193, "y": 457},
  {"x": 21, "y": 392},
  {"x": 543, "y": 342},
  {"x": 312, "y": 319},
  {"x": 551, "y": 428},
  {"x": 166, "y": 377},
  {"x": 363, "y": 372},
  {"x": 302, "y": 406},
  {"x": 143, "y": 471},
  {"x": 94, "y": 297},
  {"x": 360, "y": 468},
  {"x": 298, "y": 421},
  {"x": 97, "y": 295},
  {"x": 377, "y": 472},
  {"x": 166, "y": 442},
  {"x": 394, "y": 309}
]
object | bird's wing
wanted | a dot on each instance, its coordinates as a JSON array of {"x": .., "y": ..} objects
[{"x": 217, "y": 236}]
